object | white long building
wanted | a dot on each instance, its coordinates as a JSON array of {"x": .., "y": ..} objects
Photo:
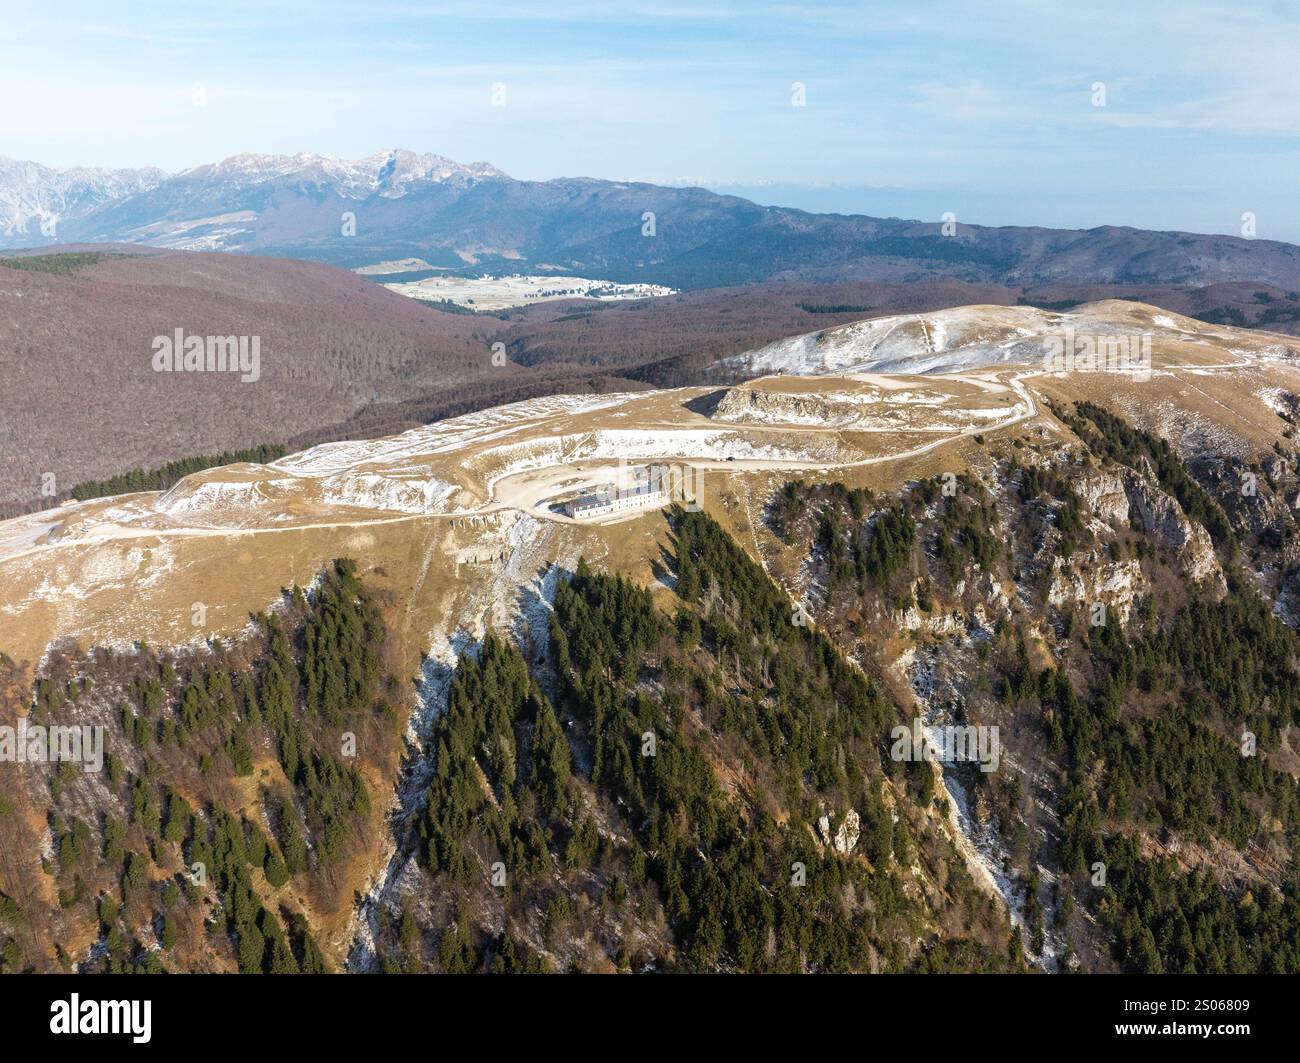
[{"x": 610, "y": 499}]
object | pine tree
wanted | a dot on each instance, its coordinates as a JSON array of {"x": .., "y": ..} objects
[
  {"x": 178, "y": 818},
  {"x": 252, "y": 949},
  {"x": 292, "y": 842},
  {"x": 277, "y": 874}
]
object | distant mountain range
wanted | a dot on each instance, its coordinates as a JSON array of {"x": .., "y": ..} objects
[
  {"x": 398, "y": 204},
  {"x": 35, "y": 200}
]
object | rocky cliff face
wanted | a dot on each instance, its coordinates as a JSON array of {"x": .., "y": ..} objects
[
  {"x": 1160, "y": 516},
  {"x": 840, "y": 833},
  {"x": 747, "y": 404},
  {"x": 1104, "y": 493},
  {"x": 1090, "y": 582}
]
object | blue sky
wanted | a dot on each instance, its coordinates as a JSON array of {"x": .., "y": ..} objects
[{"x": 912, "y": 108}]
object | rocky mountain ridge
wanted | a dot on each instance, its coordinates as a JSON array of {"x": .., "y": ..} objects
[{"x": 400, "y": 204}]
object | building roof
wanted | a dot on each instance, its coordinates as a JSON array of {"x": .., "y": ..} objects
[
  {"x": 608, "y": 494},
  {"x": 590, "y": 501}
]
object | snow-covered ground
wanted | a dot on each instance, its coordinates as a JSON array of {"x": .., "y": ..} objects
[
  {"x": 958, "y": 339},
  {"x": 939, "y": 342},
  {"x": 442, "y": 437},
  {"x": 500, "y": 293},
  {"x": 514, "y": 457}
]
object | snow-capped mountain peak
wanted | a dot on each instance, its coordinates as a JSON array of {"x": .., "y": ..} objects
[
  {"x": 389, "y": 173},
  {"x": 42, "y": 205},
  {"x": 35, "y": 199}
]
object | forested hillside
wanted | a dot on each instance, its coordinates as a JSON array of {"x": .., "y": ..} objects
[
  {"x": 1144, "y": 690},
  {"x": 239, "y": 784},
  {"x": 649, "y": 799}
]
